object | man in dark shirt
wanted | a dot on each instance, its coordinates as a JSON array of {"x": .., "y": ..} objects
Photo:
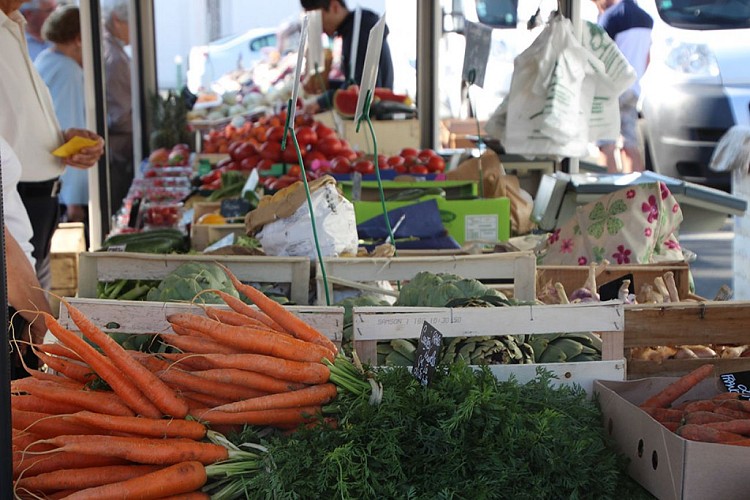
[{"x": 339, "y": 21}]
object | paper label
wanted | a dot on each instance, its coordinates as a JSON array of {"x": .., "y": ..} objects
[
  {"x": 315, "y": 59},
  {"x": 73, "y": 146},
  {"x": 370, "y": 71},
  {"x": 480, "y": 227},
  {"x": 427, "y": 353},
  {"x": 477, "y": 52},
  {"x": 116, "y": 248},
  {"x": 298, "y": 69}
]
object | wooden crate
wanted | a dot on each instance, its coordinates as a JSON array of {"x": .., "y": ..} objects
[
  {"x": 686, "y": 323},
  {"x": 373, "y": 324},
  {"x": 203, "y": 235},
  {"x": 518, "y": 268},
  {"x": 109, "y": 266},
  {"x": 573, "y": 277},
  {"x": 127, "y": 316}
]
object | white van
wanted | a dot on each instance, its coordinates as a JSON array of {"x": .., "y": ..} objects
[{"x": 697, "y": 84}]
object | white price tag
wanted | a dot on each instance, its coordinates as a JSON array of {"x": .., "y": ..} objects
[
  {"x": 370, "y": 71},
  {"x": 298, "y": 69},
  {"x": 478, "y": 39},
  {"x": 315, "y": 59}
]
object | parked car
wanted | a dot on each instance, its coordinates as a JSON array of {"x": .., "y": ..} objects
[{"x": 697, "y": 84}]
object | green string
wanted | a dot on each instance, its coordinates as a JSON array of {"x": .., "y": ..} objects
[
  {"x": 472, "y": 77},
  {"x": 287, "y": 129}
]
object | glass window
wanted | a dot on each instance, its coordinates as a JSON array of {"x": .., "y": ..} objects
[{"x": 705, "y": 15}]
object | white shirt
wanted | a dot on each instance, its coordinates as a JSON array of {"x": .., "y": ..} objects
[
  {"x": 14, "y": 213},
  {"x": 27, "y": 116}
]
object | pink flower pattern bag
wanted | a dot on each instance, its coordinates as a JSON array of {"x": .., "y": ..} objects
[{"x": 634, "y": 225}]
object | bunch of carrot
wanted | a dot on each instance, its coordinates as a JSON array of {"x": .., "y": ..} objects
[
  {"x": 723, "y": 418},
  {"x": 145, "y": 437}
]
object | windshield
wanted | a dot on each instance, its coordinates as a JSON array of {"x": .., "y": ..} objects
[{"x": 704, "y": 14}]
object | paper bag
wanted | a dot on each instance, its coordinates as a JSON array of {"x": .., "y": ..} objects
[{"x": 497, "y": 184}]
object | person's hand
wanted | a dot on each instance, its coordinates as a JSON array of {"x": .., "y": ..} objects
[
  {"x": 311, "y": 106},
  {"x": 86, "y": 157}
]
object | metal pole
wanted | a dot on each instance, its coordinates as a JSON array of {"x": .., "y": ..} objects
[
  {"x": 143, "y": 71},
  {"x": 429, "y": 30},
  {"x": 6, "y": 434}
]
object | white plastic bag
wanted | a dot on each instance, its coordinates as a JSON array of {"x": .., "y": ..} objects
[
  {"x": 733, "y": 151},
  {"x": 334, "y": 221}
]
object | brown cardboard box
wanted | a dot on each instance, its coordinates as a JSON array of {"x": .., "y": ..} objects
[
  {"x": 392, "y": 135},
  {"x": 661, "y": 461}
]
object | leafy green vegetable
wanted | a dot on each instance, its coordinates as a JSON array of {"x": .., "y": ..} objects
[
  {"x": 186, "y": 281},
  {"x": 467, "y": 435},
  {"x": 437, "y": 290}
]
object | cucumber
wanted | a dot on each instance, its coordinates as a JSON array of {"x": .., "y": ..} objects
[{"x": 124, "y": 239}]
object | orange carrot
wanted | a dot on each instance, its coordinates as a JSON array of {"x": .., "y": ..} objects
[
  {"x": 731, "y": 412},
  {"x": 74, "y": 370},
  {"x": 664, "y": 414},
  {"x": 141, "y": 450},
  {"x": 237, "y": 319},
  {"x": 240, "y": 307},
  {"x": 701, "y": 405},
  {"x": 314, "y": 395},
  {"x": 156, "y": 391},
  {"x": 182, "y": 477},
  {"x": 739, "y": 426},
  {"x": 104, "y": 402},
  {"x": 188, "y": 381},
  {"x": 120, "y": 384},
  {"x": 190, "y": 344},
  {"x": 737, "y": 404},
  {"x": 280, "y": 315},
  {"x": 46, "y": 425},
  {"x": 40, "y": 375},
  {"x": 39, "y": 464},
  {"x": 29, "y": 402},
  {"x": 193, "y": 495},
  {"x": 294, "y": 371},
  {"x": 280, "y": 417},
  {"x": 254, "y": 341},
  {"x": 726, "y": 395},
  {"x": 705, "y": 417},
  {"x": 672, "y": 426},
  {"x": 707, "y": 434},
  {"x": 198, "y": 400},
  {"x": 87, "y": 477},
  {"x": 245, "y": 378},
  {"x": 669, "y": 394},
  {"x": 55, "y": 349},
  {"x": 166, "y": 428}
]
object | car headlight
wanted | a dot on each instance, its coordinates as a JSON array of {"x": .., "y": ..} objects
[{"x": 692, "y": 59}]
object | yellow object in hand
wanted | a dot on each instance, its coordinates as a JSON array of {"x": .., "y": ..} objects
[{"x": 73, "y": 146}]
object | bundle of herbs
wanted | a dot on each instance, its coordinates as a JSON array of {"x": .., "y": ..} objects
[{"x": 466, "y": 435}]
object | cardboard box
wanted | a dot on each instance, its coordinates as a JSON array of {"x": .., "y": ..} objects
[
  {"x": 68, "y": 242},
  {"x": 485, "y": 219},
  {"x": 392, "y": 135},
  {"x": 661, "y": 461},
  {"x": 203, "y": 235}
]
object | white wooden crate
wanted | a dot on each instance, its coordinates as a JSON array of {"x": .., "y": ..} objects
[
  {"x": 373, "y": 324},
  {"x": 140, "y": 317},
  {"x": 520, "y": 267},
  {"x": 109, "y": 266}
]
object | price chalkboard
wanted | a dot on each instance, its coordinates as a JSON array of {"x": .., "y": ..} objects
[
  {"x": 737, "y": 382},
  {"x": 234, "y": 207},
  {"x": 478, "y": 39},
  {"x": 427, "y": 353}
]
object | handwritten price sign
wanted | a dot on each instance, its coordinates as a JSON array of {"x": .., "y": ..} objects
[{"x": 427, "y": 354}]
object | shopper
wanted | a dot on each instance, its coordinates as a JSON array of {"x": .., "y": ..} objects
[
  {"x": 36, "y": 12},
  {"x": 60, "y": 66},
  {"x": 630, "y": 27},
  {"x": 24, "y": 293},
  {"x": 341, "y": 22},
  {"x": 29, "y": 124},
  {"x": 119, "y": 100}
]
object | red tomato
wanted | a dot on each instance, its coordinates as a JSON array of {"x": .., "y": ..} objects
[
  {"x": 352, "y": 155},
  {"x": 425, "y": 155},
  {"x": 242, "y": 151},
  {"x": 264, "y": 164},
  {"x": 329, "y": 146},
  {"x": 409, "y": 152},
  {"x": 394, "y": 161},
  {"x": 382, "y": 160},
  {"x": 306, "y": 136},
  {"x": 364, "y": 167},
  {"x": 275, "y": 134},
  {"x": 401, "y": 169},
  {"x": 314, "y": 155},
  {"x": 410, "y": 161},
  {"x": 323, "y": 131},
  {"x": 294, "y": 171},
  {"x": 436, "y": 164},
  {"x": 271, "y": 151},
  {"x": 418, "y": 170},
  {"x": 341, "y": 165},
  {"x": 289, "y": 155},
  {"x": 250, "y": 162}
]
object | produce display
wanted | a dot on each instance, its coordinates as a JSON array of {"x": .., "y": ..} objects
[{"x": 255, "y": 397}]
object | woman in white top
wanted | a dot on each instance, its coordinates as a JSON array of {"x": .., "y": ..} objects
[{"x": 24, "y": 292}]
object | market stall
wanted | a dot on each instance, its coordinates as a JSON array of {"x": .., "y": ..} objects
[{"x": 326, "y": 306}]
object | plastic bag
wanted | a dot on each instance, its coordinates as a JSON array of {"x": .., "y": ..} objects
[{"x": 733, "y": 151}]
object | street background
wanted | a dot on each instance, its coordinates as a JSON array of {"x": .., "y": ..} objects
[{"x": 712, "y": 266}]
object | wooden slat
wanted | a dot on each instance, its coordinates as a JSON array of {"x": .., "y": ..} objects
[
  {"x": 518, "y": 267},
  {"x": 151, "y": 317},
  {"x": 109, "y": 266},
  {"x": 679, "y": 367}
]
